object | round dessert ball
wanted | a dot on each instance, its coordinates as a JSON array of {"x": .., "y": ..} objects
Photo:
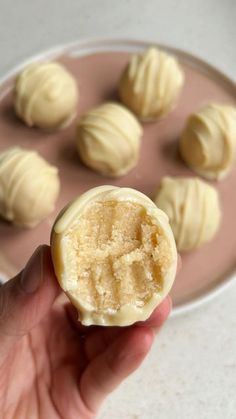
[
  {"x": 108, "y": 139},
  {"x": 208, "y": 143},
  {"x": 114, "y": 255},
  {"x": 29, "y": 187},
  {"x": 46, "y": 95},
  {"x": 193, "y": 210},
  {"x": 151, "y": 83}
]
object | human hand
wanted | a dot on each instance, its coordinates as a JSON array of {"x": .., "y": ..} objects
[{"x": 51, "y": 366}]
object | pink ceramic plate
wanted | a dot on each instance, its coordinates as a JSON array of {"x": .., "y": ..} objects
[{"x": 97, "y": 66}]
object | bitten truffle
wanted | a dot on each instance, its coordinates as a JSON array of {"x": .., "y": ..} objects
[
  {"x": 114, "y": 255},
  {"x": 29, "y": 187},
  {"x": 193, "y": 209},
  {"x": 46, "y": 95},
  {"x": 151, "y": 83},
  {"x": 108, "y": 139},
  {"x": 208, "y": 143}
]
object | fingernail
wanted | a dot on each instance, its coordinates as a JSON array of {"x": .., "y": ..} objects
[{"x": 32, "y": 275}]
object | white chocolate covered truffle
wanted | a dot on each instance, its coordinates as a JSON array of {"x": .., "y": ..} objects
[
  {"x": 208, "y": 143},
  {"x": 193, "y": 210},
  {"x": 46, "y": 95},
  {"x": 29, "y": 187},
  {"x": 114, "y": 255},
  {"x": 151, "y": 83},
  {"x": 108, "y": 139}
]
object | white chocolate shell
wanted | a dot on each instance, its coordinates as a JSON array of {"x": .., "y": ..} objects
[
  {"x": 114, "y": 255},
  {"x": 193, "y": 209},
  {"x": 208, "y": 143},
  {"x": 46, "y": 95},
  {"x": 29, "y": 187},
  {"x": 108, "y": 139},
  {"x": 151, "y": 84}
]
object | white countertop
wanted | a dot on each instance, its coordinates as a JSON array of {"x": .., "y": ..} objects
[{"x": 191, "y": 370}]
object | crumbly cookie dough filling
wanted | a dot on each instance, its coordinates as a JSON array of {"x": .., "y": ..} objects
[{"x": 119, "y": 256}]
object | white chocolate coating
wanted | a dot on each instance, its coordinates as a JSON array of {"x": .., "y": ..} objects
[
  {"x": 151, "y": 83},
  {"x": 208, "y": 143},
  {"x": 29, "y": 187},
  {"x": 114, "y": 255},
  {"x": 108, "y": 139},
  {"x": 193, "y": 210},
  {"x": 46, "y": 95}
]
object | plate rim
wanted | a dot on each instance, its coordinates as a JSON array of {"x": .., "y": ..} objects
[{"x": 99, "y": 45}]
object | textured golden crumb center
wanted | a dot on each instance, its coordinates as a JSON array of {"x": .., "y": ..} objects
[{"x": 120, "y": 256}]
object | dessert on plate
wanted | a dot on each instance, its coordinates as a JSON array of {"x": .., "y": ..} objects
[
  {"x": 46, "y": 95},
  {"x": 108, "y": 139},
  {"x": 151, "y": 83},
  {"x": 193, "y": 208},
  {"x": 29, "y": 186},
  {"x": 208, "y": 142}
]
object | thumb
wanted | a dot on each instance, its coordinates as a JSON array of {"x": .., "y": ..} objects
[{"x": 26, "y": 298}]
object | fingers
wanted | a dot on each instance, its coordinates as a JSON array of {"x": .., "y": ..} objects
[
  {"x": 110, "y": 368},
  {"x": 159, "y": 315},
  {"x": 25, "y": 299},
  {"x": 100, "y": 337},
  {"x": 99, "y": 340},
  {"x": 117, "y": 352}
]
